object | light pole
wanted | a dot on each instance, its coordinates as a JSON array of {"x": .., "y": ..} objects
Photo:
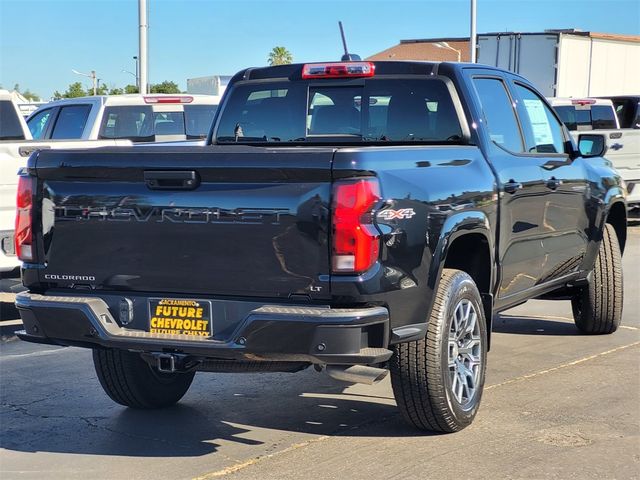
[
  {"x": 446, "y": 46},
  {"x": 142, "y": 54},
  {"x": 92, "y": 76},
  {"x": 472, "y": 38},
  {"x": 135, "y": 58}
]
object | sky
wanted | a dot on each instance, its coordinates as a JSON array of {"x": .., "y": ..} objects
[{"x": 41, "y": 41}]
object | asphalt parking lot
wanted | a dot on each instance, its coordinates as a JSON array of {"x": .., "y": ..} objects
[{"x": 557, "y": 405}]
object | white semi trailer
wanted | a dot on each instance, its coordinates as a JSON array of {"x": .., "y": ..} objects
[
  {"x": 210, "y": 85},
  {"x": 567, "y": 63}
]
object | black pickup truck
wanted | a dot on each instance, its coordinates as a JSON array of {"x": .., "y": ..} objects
[{"x": 358, "y": 217}]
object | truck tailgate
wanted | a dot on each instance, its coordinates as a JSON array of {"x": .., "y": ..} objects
[{"x": 215, "y": 221}]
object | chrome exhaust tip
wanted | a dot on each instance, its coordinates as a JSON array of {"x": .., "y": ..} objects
[{"x": 357, "y": 373}]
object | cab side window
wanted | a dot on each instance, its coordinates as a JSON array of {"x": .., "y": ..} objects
[
  {"x": 542, "y": 131},
  {"x": 499, "y": 113},
  {"x": 38, "y": 123},
  {"x": 71, "y": 122}
]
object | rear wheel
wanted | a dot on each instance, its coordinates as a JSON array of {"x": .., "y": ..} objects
[
  {"x": 132, "y": 382},
  {"x": 438, "y": 381},
  {"x": 597, "y": 307}
]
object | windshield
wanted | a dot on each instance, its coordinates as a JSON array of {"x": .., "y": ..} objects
[{"x": 375, "y": 110}]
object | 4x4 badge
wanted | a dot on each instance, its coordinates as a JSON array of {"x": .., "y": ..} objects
[{"x": 400, "y": 214}]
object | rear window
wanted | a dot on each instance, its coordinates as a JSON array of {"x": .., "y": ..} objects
[
  {"x": 596, "y": 117},
  {"x": 10, "y": 128},
  {"x": 142, "y": 124},
  {"x": 134, "y": 123},
  {"x": 379, "y": 110},
  {"x": 168, "y": 123}
]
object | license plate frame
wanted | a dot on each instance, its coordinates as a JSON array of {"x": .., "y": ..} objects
[{"x": 180, "y": 316}]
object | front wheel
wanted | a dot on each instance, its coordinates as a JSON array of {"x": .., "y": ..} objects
[
  {"x": 597, "y": 307},
  {"x": 132, "y": 382},
  {"x": 438, "y": 381}
]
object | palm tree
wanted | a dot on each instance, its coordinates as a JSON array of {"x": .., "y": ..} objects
[{"x": 280, "y": 56}]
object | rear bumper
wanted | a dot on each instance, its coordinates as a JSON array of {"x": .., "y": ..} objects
[{"x": 320, "y": 335}]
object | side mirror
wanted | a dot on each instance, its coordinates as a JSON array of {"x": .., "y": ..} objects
[{"x": 592, "y": 145}]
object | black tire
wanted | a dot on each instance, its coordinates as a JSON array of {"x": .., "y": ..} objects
[
  {"x": 597, "y": 307},
  {"x": 132, "y": 382},
  {"x": 420, "y": 373}
]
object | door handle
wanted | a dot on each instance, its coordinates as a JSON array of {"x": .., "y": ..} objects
[
  {"x": 512, "y": 186},
  {"x": 616, "y": 146},
  {"x": 171, "y": 179},
  {"x": 553, "y": 183}
]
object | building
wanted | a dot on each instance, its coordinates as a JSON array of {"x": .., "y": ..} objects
[{"x": 429, "y": 49}]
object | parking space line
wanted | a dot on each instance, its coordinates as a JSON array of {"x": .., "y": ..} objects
[
  {"x": 33, "y": 354},
  {"x": 628, "y": 327},
  {"x": 560, "y": 367},
  {"x": 239, "y": 466},
  {"x": 539, "y": 317},
  {"x": 556, "y": 317}
]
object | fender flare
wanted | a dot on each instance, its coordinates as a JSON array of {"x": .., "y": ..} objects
[
  {"x": 457, "y": 226},
  {"x": 615, "y": 195}
]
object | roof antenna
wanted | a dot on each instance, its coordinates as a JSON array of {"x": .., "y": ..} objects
[{"x": 347, "y": 56}]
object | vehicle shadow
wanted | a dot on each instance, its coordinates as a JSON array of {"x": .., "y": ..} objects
[
  {"x": 251, "y": 410},
  {"x": 524, "y": 325},
  {"x": 254, "y": 411}
]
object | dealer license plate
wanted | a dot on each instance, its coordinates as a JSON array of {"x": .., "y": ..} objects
[{"x": 178, "y": 316}]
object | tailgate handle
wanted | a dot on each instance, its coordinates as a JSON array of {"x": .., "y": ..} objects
[{"x": 171, "y": 179}]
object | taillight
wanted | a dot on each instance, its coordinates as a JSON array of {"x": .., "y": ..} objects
[
  {"x": 24, "y": 218},
  {"x": 356, "y": 242},
  {"x": 338, "y": 70}
]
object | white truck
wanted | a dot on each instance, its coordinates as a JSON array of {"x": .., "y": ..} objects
[
  {"x": 139, "y": 118},
  {"x": 620, "y": 129},
  {"x": 16, "y": 144}
]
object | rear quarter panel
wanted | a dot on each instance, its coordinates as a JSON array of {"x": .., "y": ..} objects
[{"x": 450, "y": 189}]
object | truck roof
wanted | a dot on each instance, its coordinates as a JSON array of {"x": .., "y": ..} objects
[
  {"x": 5, "y": 94},
  {"x": 140, "y": 99},
  {"x": 409, "y": 67}
]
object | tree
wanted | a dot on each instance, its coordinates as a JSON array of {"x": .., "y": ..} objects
[
  {"x": 32, "y": 97},
  {"x": 116, "y": 91},
  {"x": 280, "y": 56},
  {"x": 75, "y": 90},
  {"x": 130, "y": 89},
  {"x": 100, "y": 90},
  {"x": 165, "y": 87}
]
